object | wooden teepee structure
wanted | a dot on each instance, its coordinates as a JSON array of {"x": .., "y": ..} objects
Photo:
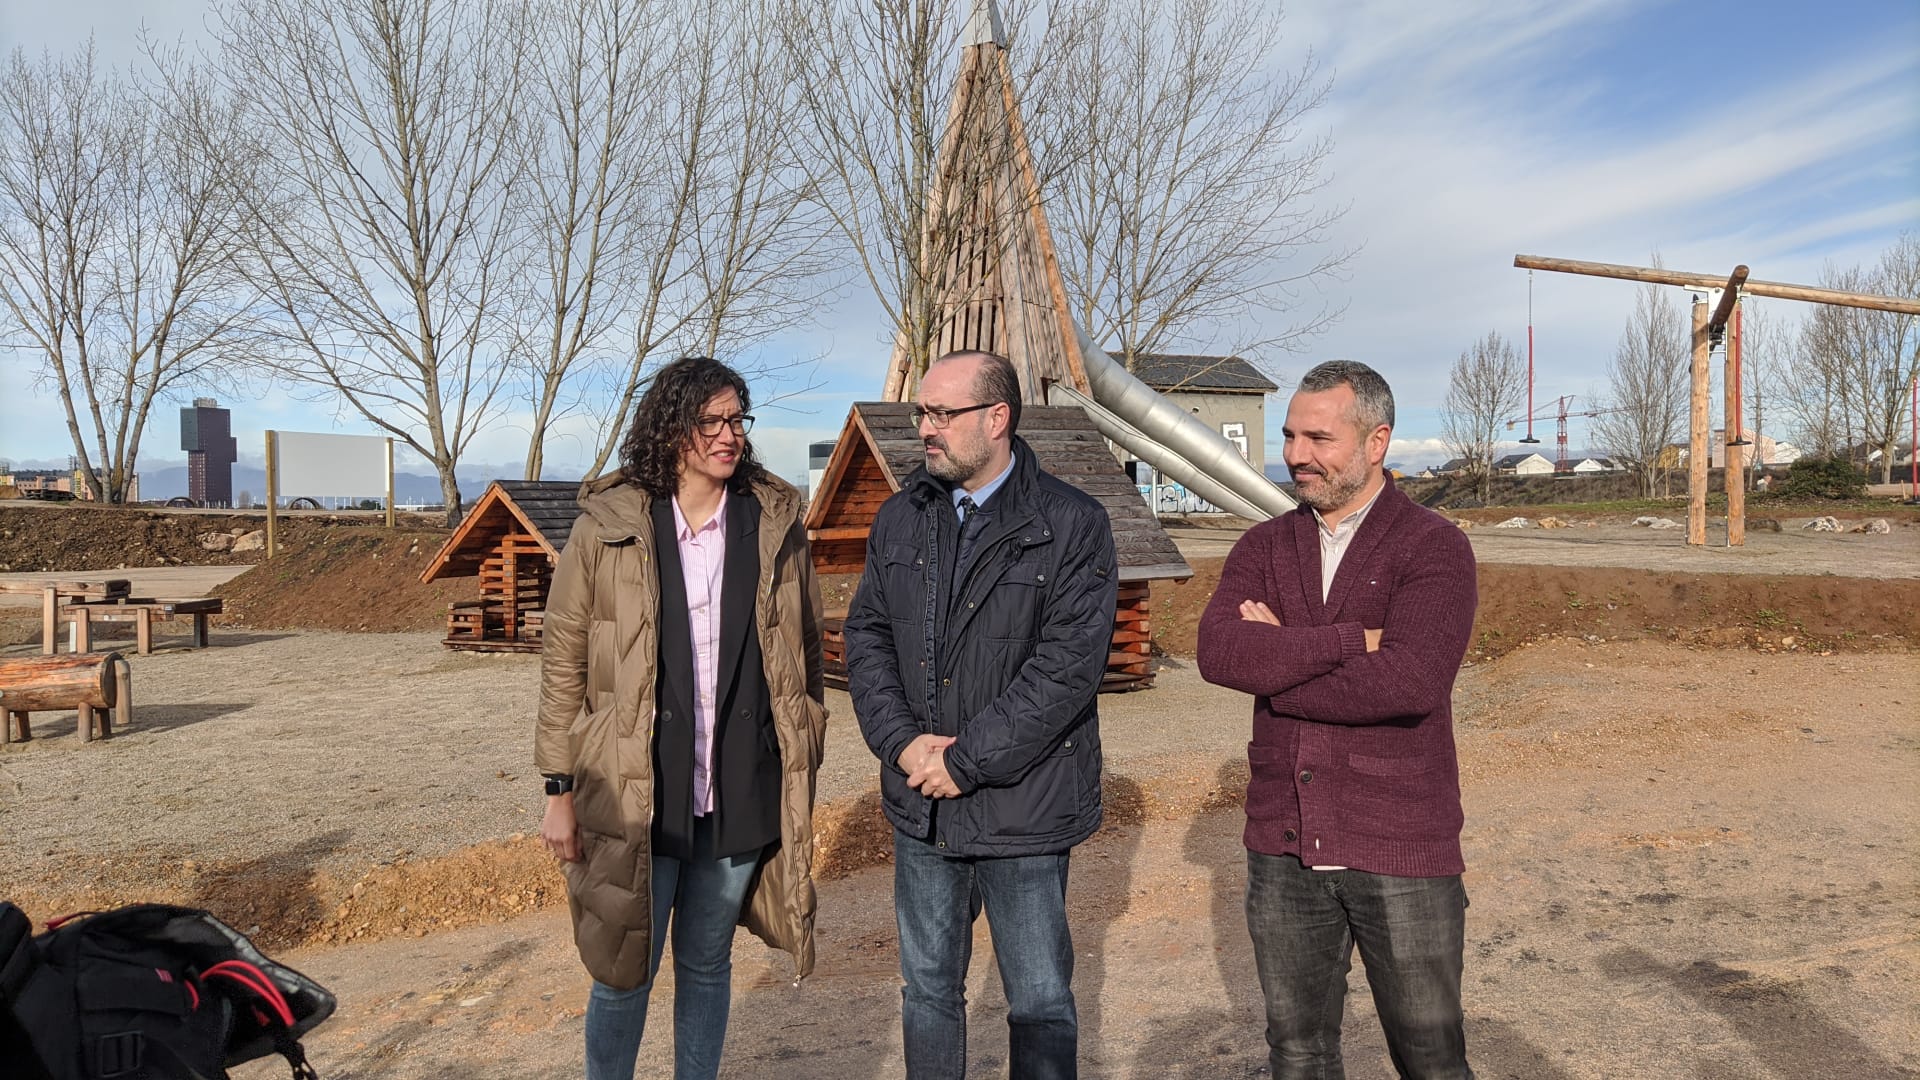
[{"x": 991, "y": 280}]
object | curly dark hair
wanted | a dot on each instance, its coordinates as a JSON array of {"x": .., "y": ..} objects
[{"x": 663, "y": 426}]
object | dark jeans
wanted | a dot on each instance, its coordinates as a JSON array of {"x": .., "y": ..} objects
[
  {"x": 1411, "y": 933},
  {"x": 936, "y": 899}
]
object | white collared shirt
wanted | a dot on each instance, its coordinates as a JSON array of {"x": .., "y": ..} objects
[{"x": 1334, "y": 542}]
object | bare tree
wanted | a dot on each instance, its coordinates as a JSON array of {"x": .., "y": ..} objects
[
  {"x": 1763, "y": 359},
  {"x": 1878, "y": 351},
  {"x": 586, "y": 219},
  {"x": 742, "y": 256},
  {"x": 1486, "y": 387},
  {"x": 396, "y": 132},
  {"x": 120, "y": 262},
  {"x": 1847, "y": 388},
  {"x": 663, "y": 209},
  {"x": 876, "y": 79},
  {"x": 1188, "y": 204},
  {"x": 1648, "y": 384}
]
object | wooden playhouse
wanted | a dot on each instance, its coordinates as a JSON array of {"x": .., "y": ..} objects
[
  {"x": 879, "y": 449},
  {"x": 510, "y": 540}
]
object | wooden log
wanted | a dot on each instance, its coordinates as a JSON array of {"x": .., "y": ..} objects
[
  {"x": 1773, "y": 289},
  {"x": 1698, "y": 428},
  {"x": 40, "y": 683}
]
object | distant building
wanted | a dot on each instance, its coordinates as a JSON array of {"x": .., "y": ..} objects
[
  {"x": 1593, "y": 465},
  {"x": 1226, "y": 393},
  {"x": 818, "y": 454},
  {"x": 1522, "y": 465},
  {"x": 39, "y": 483},
  {"x": 89, "y": 490},
  {"x": 1759, "y": 447},
  {"x": 206, "y": 434},
  {"x": 1453, "y": 467}
]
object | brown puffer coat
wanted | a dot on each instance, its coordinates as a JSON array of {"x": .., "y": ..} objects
[{"x": 596, "y": 721}]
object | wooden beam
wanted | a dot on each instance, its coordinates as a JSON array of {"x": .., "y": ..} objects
[
  {"x": 1729, "y": 296},
  {"x": 841, "y": 532},
  {"x": 1698, "y": 428},
  {"x": 1777, "y": 290}
]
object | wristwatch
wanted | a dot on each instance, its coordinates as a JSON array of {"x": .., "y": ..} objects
[{"x": 559, "y": 783}]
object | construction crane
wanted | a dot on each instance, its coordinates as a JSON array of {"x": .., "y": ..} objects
[{"x": 1559, "y": 410}]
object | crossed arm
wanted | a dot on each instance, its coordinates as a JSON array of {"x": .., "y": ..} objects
[{"x": 1343, "y": 673}]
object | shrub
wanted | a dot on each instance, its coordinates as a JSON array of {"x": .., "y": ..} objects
[{"x": 1821, "y": 478}]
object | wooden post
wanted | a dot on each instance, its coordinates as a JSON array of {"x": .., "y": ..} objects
[
  {"x": 273, "y": 490},
  {"x": 1734, "y": 473},
  {"x": 143, "y": 630},
  {"x": 1698, "y": 426},
  {"x": 122, "y": 692},
  {"x": 389, "y": 482},
  {"x": 49, "y": 620}
]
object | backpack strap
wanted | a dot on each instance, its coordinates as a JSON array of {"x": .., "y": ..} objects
[{"x": 19, "y": 961}]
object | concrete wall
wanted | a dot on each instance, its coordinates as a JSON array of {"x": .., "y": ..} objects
[{"x": 1219, "y": 410}]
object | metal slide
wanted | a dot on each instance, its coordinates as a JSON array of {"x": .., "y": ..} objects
[{"x": 1164, "y": 435}]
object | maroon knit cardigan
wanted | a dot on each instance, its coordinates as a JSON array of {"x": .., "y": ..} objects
[{"x": 1352, "y": 755}]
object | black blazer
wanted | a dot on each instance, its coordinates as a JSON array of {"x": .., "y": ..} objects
[{"x": 746, "y": 752}]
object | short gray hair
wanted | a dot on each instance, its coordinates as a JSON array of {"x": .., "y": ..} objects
[{"x": 1372, "y": 397}]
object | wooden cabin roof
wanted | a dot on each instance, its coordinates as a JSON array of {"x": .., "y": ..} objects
[
  {"x": 543, "y": 509},
  {"x": 880, "y": 442}
]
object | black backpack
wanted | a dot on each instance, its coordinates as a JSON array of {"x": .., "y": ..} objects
[{"x": 146, "y": 992}]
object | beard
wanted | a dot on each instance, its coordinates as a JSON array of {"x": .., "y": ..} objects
[
  {"x": 954, "y": 467},
  {"x": 1337, "y": 489}
]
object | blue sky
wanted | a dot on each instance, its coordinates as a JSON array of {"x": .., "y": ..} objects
[{"x": 1783, "y": 135}]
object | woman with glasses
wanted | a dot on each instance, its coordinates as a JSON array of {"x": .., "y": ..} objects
[{"x": 682, "y": 718}]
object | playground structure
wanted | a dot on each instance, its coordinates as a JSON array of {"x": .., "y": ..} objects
[
  {"x": 995, "y": 284},
  {"x": 1716, "y": 304},
  {"x": 997, "y": 287},
  {"x": 510, "y": 540},
  {"x": 880, "y": 448}
]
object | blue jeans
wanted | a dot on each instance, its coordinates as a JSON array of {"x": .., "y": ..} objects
[
  {"x": 936, "y": 899},
  {"x": 702, "y": 897},
  {"x": 1411, "y": 933}
]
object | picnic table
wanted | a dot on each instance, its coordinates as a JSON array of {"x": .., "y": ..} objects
[
  {"x": 142, "y": 613},
  {"x": 83, "y": 603}
]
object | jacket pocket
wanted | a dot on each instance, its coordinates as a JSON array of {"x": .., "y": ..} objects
[
  {"x": 1013, "y": 606},
  {"x": 1389, "y": 766},
  {"x": 1269, "y": 782}
]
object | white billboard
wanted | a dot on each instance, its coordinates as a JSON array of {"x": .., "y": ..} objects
[{"x": 321, "y": 466}]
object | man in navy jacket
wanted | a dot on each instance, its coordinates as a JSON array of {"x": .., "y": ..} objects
[
  {"x": 1347, "y": 619},
  {"x": 975, "y": 647}
]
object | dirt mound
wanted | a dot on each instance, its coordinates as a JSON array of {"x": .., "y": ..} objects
[
  {"x": 74, "y": 537},
  {"x": 57, "y": 538},
  {"x": 1521, "y": 603},
  {"x": 347, "y": 577}
]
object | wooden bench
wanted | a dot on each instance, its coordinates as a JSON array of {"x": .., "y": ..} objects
[
  {"x": 53, "y": 594},
  {"x": 89, "y": 683},
  {"x": 141, "y": 613}
]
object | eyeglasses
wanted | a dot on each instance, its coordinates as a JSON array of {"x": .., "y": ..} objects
[
  {"x": 942, "y": 417},
  {"x": 711, "y": 425}
]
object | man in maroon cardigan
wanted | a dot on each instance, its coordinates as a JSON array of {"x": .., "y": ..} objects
[{"x": 1346, "y": 619}]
